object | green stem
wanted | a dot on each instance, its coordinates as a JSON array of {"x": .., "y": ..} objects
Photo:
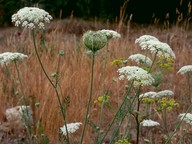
[
  {"x": 25, "y": 102},
  {"x": 90, "y": 97},
  {"x": 178, "y": 124},
  {"x": 55, "y": 87},
  {"x": 153, "y": 62},
  {"x": 13, "y": 85},
  {"x": 137, "y": 115},
  {"x": 189, "y": 86},
  {"x": 103, "y": 90},
  {"x": 113, "y": 120},
  {"x": 164, "y": 117}
]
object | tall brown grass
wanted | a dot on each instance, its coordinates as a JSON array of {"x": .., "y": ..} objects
[{"x": 75, "y": 71}]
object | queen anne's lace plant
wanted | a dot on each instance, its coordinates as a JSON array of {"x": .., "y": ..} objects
[
  {"x": 7, "y": 57},
  {"x": 140, "y": 59},
  {"x": 164, "y": 93},
  {"x": 31, "y": 17},
  {"x": 155, "y": 46},
  {"x": 71, "y": 128},
  {"x": 138, "y": 75},
  {"x": 148, "y": 95},
  {"x": 94, "y": 40},
  {"x": 185, "y": 69},
  {"x": 149, "y": 123},
  {"x": 187, "y": 117},
  {"x": 110, "y": 34},
  {"x": 145, "y": 38}
]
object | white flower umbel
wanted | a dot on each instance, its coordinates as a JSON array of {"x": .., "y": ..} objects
[
  {"x": 149, "y": 123},
  {"x": 187, "y": 117},
  {"x": 19, "y": 115},
  {"x": 185, "y": 69},
  {"x": 164, "y": 93},
  {"x": 145, "y": 38},
  {"x": 7, "y": 57},
  {"x": 136, "y": 74},
  {"x": 71, "y": 128},
  {"x": 148, "y": 95},
  {"x": 31, "y": 17},
  {"x": 162, "y": 49},
  {"x": 110, "y": 34},
  {"x": 140, "y": 59}
]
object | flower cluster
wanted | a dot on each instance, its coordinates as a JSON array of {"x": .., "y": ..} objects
[
  {"x": 123, "y": 141},
  {"x": 149, "y": 123},
  {"x": 110, "y": 34},
  {"x": 31, "y": 17},
  {"x": 155, "y": 46},
  {"x": 148, "y": 94},
  {"x": 140, "y": 59},
  {"x": 185, "y": 69},
  {"x": 103, "y": 99},
  {"x": 71, "y": 128},
  {"x": 164, "y": 93},
  {"x": 187, "y": 117},
  {"x": 7, "y": 57},
  {"x": 94, "y": 40},
  {"x": 167, "y": 103},
  {"x": 135, "y": 74},
  {"x": 19, "y": 115},
  {"x": 166, "y": 63}
]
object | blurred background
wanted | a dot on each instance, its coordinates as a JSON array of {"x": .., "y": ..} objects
[{"x": 141, "y": 11}]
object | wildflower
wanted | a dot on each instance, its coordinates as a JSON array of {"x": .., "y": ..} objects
[
  {"x": 145, "y": 38},
  {"x": 71, "y": 128},
  {"x": 166, "y": 103},
  {"x": 123, "y": 141},
  {"x": 110, "y": 34},
  {"x": 149, "y": 123},
  {"x": 164, "y": 93},
  {"x": 19, "y": 115},
  {"x": 162, "y": 49},
  {"x": 117, "y": 62},
  {"x": 147, "y": 94},
  {"x": 94, "y": 40},
  {"x": 138, "y": 75},
  {"x": 185, "y": 69},
  {"x": 103, "y": 99},
  {"x": 166, "y": 63},
  {"x": 187, "y": 117},
  {"x": 141, "y": 59},
  {"x": 7, "y": 57},
  {"x": 31, "y": 17}
]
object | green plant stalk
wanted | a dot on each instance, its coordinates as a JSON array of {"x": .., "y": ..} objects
[
  {"x": 113, "y": 120},
  {"x": 128, "y": 110},
  {"x": 55, "y": 88},
  {"x": 189, "y": 86},
  {"x": 25, "y": 101},
  {"x": 178, "y": 124},
  {"x": 182, "y": 138},
  {"x": 137, "y": 116},
  {"x": 164, "y": 117},
  {"x": 90, "y": 97},
  {"x": 103, "y": 90},
  {"x": 13, "y": 85},
  {"x": 153, "y": 62}
]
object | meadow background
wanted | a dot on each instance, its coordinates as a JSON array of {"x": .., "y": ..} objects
[{"x": 75, "y": 67}]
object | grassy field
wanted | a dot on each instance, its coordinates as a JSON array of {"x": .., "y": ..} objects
[{"x": 75, "y": 72}]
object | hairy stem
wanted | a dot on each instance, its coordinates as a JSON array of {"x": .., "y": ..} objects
[{"x": 90, "y": 97}]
